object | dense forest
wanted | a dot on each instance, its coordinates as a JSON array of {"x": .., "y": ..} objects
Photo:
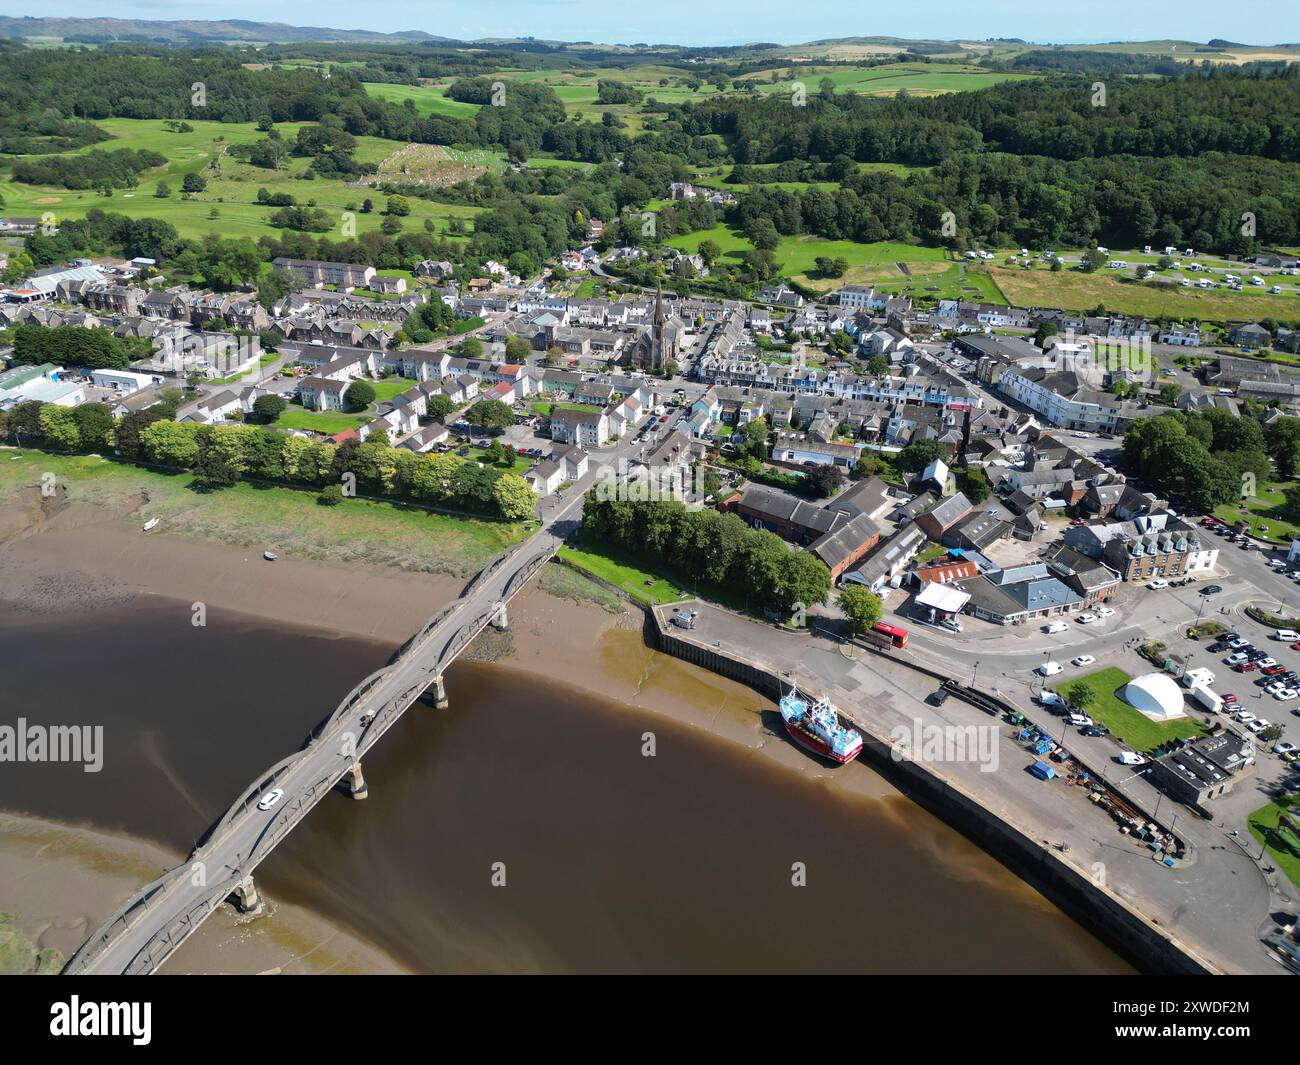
[{"x": 1042, "y": 162}]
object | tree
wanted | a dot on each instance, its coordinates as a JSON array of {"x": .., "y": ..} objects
[
  {"x": 398, "y": 206},
  {"x": 59, "y": 427},
  {"x": 359, "y": 396},
  {"x": 1079, "y": 695},
  {"x": 194, "y": 182},
  {"x": 490, "y": 415},
  {"x": 823, "y": 480},
  {"x": 162, "y": 190},
  {"x": 267, "y": 408},
  {"x": 861, "y": 606},
  {"x": 439, "y": 406},
  {"x": 514, "y": 498},
  {"x": 917, "y": 456},
  {"x": 170, "y": 443},
  {"x": 973, "y": 484},
  {"x": 1284, "y": 446}
]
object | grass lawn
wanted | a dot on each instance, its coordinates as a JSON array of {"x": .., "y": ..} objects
[
  {"x": 287, "y": 519},
  {"x": 520, "y": 464},
  {"x": 797, "y": 256},
  {"x": 428, "y": 99},
  {"x": 625, "y": 574},
  {"x": 390, "y": 387},
  {"x": 330, "y": 421},
  {"x": 1263, "y": 821},
  {"x": 1128, "y": 724},
  {"x": 1265, "y": 511},
  {"x": 544, "y": 409}
]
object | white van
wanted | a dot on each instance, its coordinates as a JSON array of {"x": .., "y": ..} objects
[
  {"x": 1287, "y": 635},
  {"x": 1050, "y": 669},
  {"x": 1055, "y": 627}
]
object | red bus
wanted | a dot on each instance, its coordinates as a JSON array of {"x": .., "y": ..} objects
[{"x": 896, "y": 635}]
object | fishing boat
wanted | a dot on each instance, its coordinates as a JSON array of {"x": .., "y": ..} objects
[
  {"x": 152, "y": 523},
  {"x": 818, "y": 728},
  {"x": 270, "y": 556}
]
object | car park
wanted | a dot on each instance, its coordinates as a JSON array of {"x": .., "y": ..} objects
[{"x": 1082, "y": 660}]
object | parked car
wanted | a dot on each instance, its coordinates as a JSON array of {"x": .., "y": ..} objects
[
  {"x": 1086, "y": 619},
  {"x": 1284, "y": 748},
  {"x": 1230, "y": 699},
  {"x": 1082, "y": 660},
  {"x": 1245, "y": 667},
  {"x": 1076, "y": 718},
  {"x": 1157, "y": 584},
  {"x": 1105, "y": 612},
  {"x": 1273, "y": 670},
  {"x": 1049, "y": 669},
  {"x": 1094, "y": 730},
  {"x": 1047, "y": 697},
  {"x": 1260, "y": 724},
  {"x": 1236, "y": 658},
  {"x": 1211, "y": 589},
  {"x": 1130, "y": 758}
]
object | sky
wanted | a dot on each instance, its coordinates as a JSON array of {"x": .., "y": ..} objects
[{"x": 741, "y": 21}]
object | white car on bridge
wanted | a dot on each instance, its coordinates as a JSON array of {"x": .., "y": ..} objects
[{"x": 267, "y": 801}]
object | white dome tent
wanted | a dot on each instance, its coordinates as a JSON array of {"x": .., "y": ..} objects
[{"x": 1156, "y": 695}]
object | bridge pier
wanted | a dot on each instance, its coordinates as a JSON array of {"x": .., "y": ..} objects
[
  {"x": 440, "y": 693},
  {"x": 354, "y": 783},
  {"x": 501, "y": 620},
  {"x": 247, "y": 900}
]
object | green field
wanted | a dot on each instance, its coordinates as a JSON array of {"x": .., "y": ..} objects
[
  {"x": 285, "y": 518},
  {"x": 428, "y": 99},
  {"x": 1078, "y": 291},
  {"x": 1265, "y": 513},
  {"x": 328, "y": 422},
  {"x": 232, "y": 189},
  {"x": 797, "y": 255},
  {"x": 1264, "y": 820},
  {"x": 1130, "y": 725},
  {"x": 623, "y": 573}
]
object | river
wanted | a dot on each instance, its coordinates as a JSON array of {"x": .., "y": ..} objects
[{"x": 523, "y": 830}]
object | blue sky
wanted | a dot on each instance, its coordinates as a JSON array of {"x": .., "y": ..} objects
[{"x": 738, "y": 21}]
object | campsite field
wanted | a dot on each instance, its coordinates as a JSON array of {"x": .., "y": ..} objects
[{"x": 1077, "y": 291}]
